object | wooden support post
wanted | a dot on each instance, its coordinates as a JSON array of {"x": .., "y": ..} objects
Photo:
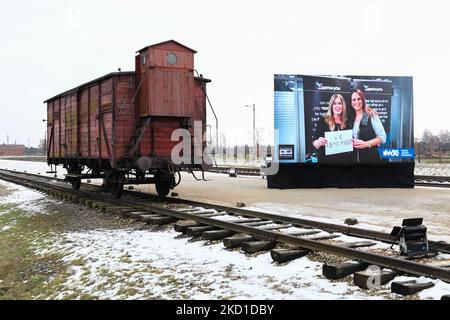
[
  {"x": 216, "y": 234},
  {"x": 406, "y": 288},
  {"x": 148, "y": 217},
  {"x": 161, "y": 220},
  {"x": 257, "y": 246},
  {"x": 89, "y": 202},
  {"x": 121, "y": 209},
  {"x": 236, "y": 241},
  {"x": 197, "y": 231},
  {"x": 285, "y": 255},
  {"x": 181, "y": 226}
]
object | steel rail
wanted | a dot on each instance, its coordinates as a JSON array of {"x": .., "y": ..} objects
[
  {"x": 330, "y": 227},
  {"x": 432, "y": 184},
  {"x": 435, "y": 178}
]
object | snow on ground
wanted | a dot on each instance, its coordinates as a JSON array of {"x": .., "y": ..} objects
[
  {"x": 174, "y": 268},
  {"x": 29, "y": 166},
  {"x": 136, "y": 264},
  {"x": 24, "y": 198},
  {"x": 160, "y": 265}
]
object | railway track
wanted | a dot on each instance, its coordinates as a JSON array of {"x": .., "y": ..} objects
[
  {"x": 288, "y": 238},
  {"x": 432, "y": 181}
]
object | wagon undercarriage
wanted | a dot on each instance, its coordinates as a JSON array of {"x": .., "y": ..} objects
[{"x": 165, "y": 175}]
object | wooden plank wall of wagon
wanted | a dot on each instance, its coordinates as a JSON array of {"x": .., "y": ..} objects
[
  {"x": 69, "y": 148},
  {"x": 84, "y": 123},
  {"x": 93, "y": 121},
  {"x": 57, "y": 127},
  {"x": 73, "y": 131},
  {"x": 161, "y": 137},
  {"x": 167, "y": 88},
  {"x": 50, "y": 112},
  {"x": 63, "y": 127},
  {"x": 200, "y": 114},
  {"x": 106, "y": 114},
  {"x": 125, "y": 114},
  {"x": 67, "y": 127}
]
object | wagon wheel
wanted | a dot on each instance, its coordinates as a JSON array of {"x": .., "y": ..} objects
[
  {"x": 164, "y": 182},
  {"x": 116, "y": 183}
]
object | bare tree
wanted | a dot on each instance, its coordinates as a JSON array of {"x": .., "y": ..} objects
[
  {"x": 444, "y": 136},
  {"x": 259, "y": 135},
  {"x": 222, "y": 140},
  {"x": 42, "y": 146},
  {"x": 430, "y": 141}
]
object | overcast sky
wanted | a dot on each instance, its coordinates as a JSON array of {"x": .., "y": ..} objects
[{"x": 51, "y": 46}]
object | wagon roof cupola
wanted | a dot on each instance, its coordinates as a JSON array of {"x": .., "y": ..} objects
[{"x": 161, "y": 44}]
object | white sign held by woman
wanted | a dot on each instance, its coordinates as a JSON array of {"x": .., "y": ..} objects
[{"x": 338, "y": 142}]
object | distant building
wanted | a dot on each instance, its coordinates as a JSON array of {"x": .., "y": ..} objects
[{"x": 12, "y": 150}]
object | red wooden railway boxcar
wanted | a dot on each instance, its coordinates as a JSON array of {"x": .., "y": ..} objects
[{"x": 119, "y": 126}]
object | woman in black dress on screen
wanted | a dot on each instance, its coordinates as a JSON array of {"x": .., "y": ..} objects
[
  {"x": 368, "y": 130},
  {"x": 334, "y": 120}
]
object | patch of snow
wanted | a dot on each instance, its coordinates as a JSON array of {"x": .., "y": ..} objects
[
  {"x": 199, "y": 271},
  {"x": 168, "y": 267},
  {"x": 25, "y": 199},
  {"x": 6, "y": 228}
]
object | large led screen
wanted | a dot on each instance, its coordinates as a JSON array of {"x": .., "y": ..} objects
[{"x": 343, "y": 120}]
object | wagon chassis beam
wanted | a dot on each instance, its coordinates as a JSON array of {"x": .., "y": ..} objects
[
  {"x": 102, "y": 176},
  {"x": 84, "y": 176}
]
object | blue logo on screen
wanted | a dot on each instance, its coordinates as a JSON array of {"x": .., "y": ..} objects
[{"x": 396, "y": 153}]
